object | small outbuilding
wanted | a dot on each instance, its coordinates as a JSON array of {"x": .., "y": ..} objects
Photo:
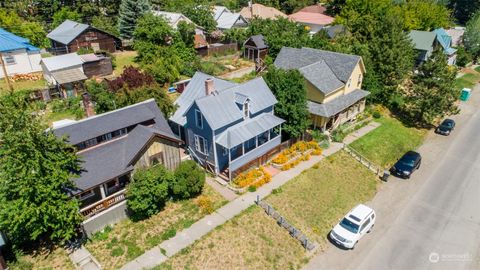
[{"x": 255, "y": 47}]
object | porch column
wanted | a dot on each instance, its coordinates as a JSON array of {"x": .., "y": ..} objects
[
  {"x": 102, "y": 191},
  {"x": 256, "y": 141},
  {"x": 269, "y": 131},
  {"x": 229, "y": 160},
  {"x": 243, "y": 148}
]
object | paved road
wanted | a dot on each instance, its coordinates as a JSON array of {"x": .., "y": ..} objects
[{"x": 431, "y": 221}]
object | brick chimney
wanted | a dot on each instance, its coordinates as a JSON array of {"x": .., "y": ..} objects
[
  {"x": 88, "y": 105},
  {"x": 209, "y": 87}
]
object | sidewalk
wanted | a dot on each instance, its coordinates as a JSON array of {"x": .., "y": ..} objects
[
  {"x": 226, "y": 193},
  {"x": 188, "y": 236}
]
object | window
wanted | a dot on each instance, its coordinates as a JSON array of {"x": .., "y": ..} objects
[
  {"x": 201, "y": 145},
  {"x": 349, "y": 82},
  {"x": 157, "y": 159},
  {"x": 90, "y": 143},
  {"x": 359, "y": 80},
  {"x": 9, "y": 59},
  {"x": 225, "y": 151},
  {"x": 245, "y": 110},
  {"x": 86, "y": 195},
  {"x": 119, "y": 132},
  {"x": 198, "y": 119},
  {"x": 365, "y": 225}
]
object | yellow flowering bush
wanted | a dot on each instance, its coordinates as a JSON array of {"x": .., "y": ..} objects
[{"x": 256, "y": 177}]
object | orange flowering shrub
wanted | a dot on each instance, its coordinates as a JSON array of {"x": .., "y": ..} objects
[
  {"x": 251, "y": 177},
  {"x": 265, "y": 179},
  {"x": 205, "y": 204},
  {"x": 280, "y": 159}
]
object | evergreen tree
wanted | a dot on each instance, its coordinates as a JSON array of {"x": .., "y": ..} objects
[
  {"x": 290, "y": 90},
  {"x": 463, "y": 10},
  {"x": 472, "y": 36},
  {"x": 36, "y": 170},
  {"x": 433, "y": 94},
  {"x": 130, "y": 12}
]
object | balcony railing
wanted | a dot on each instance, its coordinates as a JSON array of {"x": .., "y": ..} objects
[{"x": 103, "y": 204}]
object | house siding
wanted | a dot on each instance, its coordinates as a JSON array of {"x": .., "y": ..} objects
[
  {"x": 25, "y": 62},
  {"x": 169, "y": 151},
  {"x": 90, "y": 38},
  {"x": 255, "y": 153},
  {"x": 205, "y": 132}
]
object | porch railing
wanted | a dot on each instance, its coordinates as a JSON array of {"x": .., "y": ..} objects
[{"x": 103, "y": 204}]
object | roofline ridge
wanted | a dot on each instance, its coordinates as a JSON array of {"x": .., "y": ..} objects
[{"x": 107, "y": 113}]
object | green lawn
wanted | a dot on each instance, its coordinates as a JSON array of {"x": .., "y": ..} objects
[
  {"x": 22, "y": 85},
  {"x": 388, "y": 142},
  {"x": 477, "y": 69},
  {"x": 123, "y": 59},
  {"x": 468, "y": 80},
  {"x": 251, "y": 240},
  {"x": 127, "y": 240},
  {"x": 333, "y": 187}
]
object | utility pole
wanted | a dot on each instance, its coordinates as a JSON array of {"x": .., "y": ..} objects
[{"x": 5, "y": 73}]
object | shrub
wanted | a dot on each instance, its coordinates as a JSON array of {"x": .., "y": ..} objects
[
  {"x": 148, "y": 191},
  {"x": 189, "y": 180},
  {"x": 116, "y": 252},
  {"x": 280, "y": 159},
  {"x": 169, "y": 234},
  {"x": 376, "y": 114},
  {"x": 252, "y": 188},
  {"x": 132, "y": 78},
  {"x": 205, "y": 204}
]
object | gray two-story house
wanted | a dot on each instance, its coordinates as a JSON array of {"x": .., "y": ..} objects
[{"x": 226, "y": 128}]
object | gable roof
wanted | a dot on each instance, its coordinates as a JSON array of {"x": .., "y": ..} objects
[
  {"x": 422, "y": 40},
  {"x": 443, "y": 38},
  {"x": 194, "y": 90},
  {"x": 337, "y": 105},
  {"x": 67, "y": 31},
  {"x": 262, "y": 12},
  {"x": 225, "y": 18},
  {"x": 98, "y": 125},
  {"x": 456, "y": 34},
  {"x": 11, "y": 42},
  {"x": 173, "y": 18},
  {"x": 326, "y": 70},
  {"x": 334, "y": 30},
  {"x": 64, "y": 61},
  {"x": 258, "y": 40},
  {"x": 114, "y": 158},
  {"x": 317, "y": 8},
  {"x": 221, "y": 109},
  {"x": 311, "y": 18}
]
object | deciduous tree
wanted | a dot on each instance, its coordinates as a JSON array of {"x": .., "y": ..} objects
[
  {"x": 290, "y": 90},
  {"x": 36, "y": 172},
  {"x": 472, "y": 36},
  {"x": 66, "y": 13}
]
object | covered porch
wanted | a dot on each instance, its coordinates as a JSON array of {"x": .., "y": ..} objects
[
  {"x": 329, "y": 116},
  {"x": 103, "y": 196},
  {"x": 246, "y": 142}
]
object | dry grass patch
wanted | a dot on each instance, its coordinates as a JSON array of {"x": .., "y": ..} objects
[
  {"x": 56, "y": 259},
  {"x": 127, "y": 240},
  {"x": 252, "y": 240},
  {"x": 317, "y": 198}
]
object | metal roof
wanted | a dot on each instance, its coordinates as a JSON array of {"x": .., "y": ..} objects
[
  {"x": 423, "y": 40},
  {"x": 261, "y": 11},
  {"x": 62, "y": 61},
  {"x": 101, "y": 124},
  {"x": 337, "y": 105},
  {"x": 333, "y": 68},
  {"x": 172, "y": 18},
  {"x": 226, "y": 19},
  {"x": 11, "y": 42},
  {"x": 69, "y": 75},
  {"x": 221, "y": 109},
  {"x": 67, "y": 31},
  {"x": 194, "y": 90},
  {"x": 248, "y": 129}
]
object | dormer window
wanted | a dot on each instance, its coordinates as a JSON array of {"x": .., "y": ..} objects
[
  {"x": 198, "y": 119},
  {"x": 245, "y": 110}
]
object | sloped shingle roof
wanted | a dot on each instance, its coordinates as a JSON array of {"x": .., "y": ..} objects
[
  {"x": 311, "y": 18},
  {"x": 11, "y": 42},
  {"x": 262, "y": 11},
  {"x": 422, "y": 40},
  {"x": 330, "y": 72},
  {"x": 67, "y": 31},
  {"x": 221, "y": 109},
  {"x": 69, "y": 75},
  {"x": 98, "y": 125},
  {"x": 259, "y": 41},
  {"x": 337, "y": 105},
  {"x": 248, "y": 129},
  {"x": 194, "y": 90}
]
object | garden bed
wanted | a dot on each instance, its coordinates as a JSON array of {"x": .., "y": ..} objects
[
  {"x": 291, "y": 157},
  {"x": 252, "y": 180}
]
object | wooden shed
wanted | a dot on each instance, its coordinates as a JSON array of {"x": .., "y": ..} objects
[{"x": 255, "y": 47}]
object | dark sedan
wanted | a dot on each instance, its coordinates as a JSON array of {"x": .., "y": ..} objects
[
  {"x": 406, "y": 165},
  {"x": 446, "y": 127}
]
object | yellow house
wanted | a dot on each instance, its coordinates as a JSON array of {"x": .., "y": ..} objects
[{"x": 333, "y": 80}]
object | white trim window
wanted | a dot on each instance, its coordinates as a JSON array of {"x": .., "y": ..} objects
[
  {"x": 349, "y": 82},
  {"x": 359, "y": 80},
  {"x": 9, "y": 59},
  {"x": 198, "y": 119},
  {"x": 201, "y": 145}
]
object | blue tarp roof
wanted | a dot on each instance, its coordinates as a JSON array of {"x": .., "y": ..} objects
[
  {"x": 443, "y": 37},
  {"x": 10, "y": 42}
]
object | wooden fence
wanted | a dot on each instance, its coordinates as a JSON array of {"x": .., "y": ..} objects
[
  {"x": 378, "y": 170},
  {"x": 218, "y": 49},
  {"x": 265, "y": 158},
  {"x": 282, "y": 222}
]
